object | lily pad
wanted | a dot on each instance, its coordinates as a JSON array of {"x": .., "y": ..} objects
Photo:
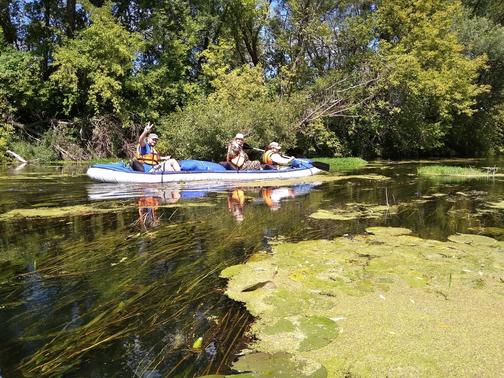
[
  {"x": 388, "y": 231},
  {"x": 278, "y": 365},
  {"x": 318, "y": 331}
]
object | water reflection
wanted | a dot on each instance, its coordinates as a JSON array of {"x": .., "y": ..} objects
[
  {"x": 147, "y": 217},
  {"x": 89, "y": 293},
  {"x": 271, "y": 196},
  {"x": 236, "y": 204},
  {"x": 150, "y": 198}
]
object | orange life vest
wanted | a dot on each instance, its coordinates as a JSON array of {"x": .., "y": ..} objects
[
  {"x": 266, "y": 157},
  {"x": 266, "y": 194},
  {"x": 152, "y": 158},
  {"x": 148, "y": 202}
]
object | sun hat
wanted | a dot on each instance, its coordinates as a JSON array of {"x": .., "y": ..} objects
[
  {"x": 275, "y": 145},
  {"x": 153, "y": 136},
  {"x": 240, "y": 136}
]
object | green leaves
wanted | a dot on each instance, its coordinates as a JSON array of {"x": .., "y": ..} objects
[
  {"x": 91, "y": 69},
  {"x": 426, "y": 78}
]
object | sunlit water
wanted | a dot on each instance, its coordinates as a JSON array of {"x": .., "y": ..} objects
[{"x": 126, "y": 278}]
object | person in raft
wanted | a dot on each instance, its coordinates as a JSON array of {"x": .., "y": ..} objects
[
  {"x": 237, "y": 158},
  {"x": 147, "y": 155},
  {"x": 272, "y": 157}
]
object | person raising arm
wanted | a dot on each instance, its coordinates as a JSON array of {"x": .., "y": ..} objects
[{"x": 147, "y": 154}]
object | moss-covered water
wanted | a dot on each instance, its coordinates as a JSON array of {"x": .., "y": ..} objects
[{"x": 121, "y": 280}]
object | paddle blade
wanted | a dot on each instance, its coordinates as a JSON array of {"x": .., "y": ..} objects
[{"x": 322, "y": 166}]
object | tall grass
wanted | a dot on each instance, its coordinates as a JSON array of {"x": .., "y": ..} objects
[
  {"x": 444, "y": 170},
  {"x": 342, "y": 164}
]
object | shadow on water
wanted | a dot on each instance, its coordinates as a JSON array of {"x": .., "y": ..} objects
[{"x": 99, "y": 279}]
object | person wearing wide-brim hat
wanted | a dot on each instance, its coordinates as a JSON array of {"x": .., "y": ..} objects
[
  {"x": 237, "y": 158},
  {"x": 273, "y": 157},
  {"x": 147, "y": 154}
]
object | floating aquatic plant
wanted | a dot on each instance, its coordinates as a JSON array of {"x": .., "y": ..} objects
[
  {"x": 355, "y": 211},
  {"x": 382, "y": 304}
]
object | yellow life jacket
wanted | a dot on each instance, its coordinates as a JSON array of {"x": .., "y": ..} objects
[
  {"x": 238, "y": 196},
  {"x": 152, "y": 158},
  {"x": 266, "y": 157}
]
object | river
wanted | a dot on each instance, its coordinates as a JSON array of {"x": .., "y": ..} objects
[{"x": 122, "y": 280}]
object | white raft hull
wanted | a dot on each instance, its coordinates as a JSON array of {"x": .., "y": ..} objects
[{"x": 109, "y": 175}]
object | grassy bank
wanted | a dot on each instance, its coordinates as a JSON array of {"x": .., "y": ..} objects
[
  {"x": 343, "y": 164},
  {"x": 445, "y": 170}
]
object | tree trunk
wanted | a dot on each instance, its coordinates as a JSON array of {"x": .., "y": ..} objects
[
  {"x": 9, "y": 30},
  {"x": 70, "y": 17}
]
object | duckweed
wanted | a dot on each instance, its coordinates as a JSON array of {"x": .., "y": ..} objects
[
  {"x": 386, "y": 303},
  {"x": 355, "y": 211}
]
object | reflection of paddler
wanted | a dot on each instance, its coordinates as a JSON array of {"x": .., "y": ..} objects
[
  {"x": 238, "y": 196},
  {"x": 171, "y": 196},
  {"x": 236, "y": 202},
  {"x": 147, "y": 207},
  {"x": 272, "y": 197},
  {"x": 266, "y": 195}
]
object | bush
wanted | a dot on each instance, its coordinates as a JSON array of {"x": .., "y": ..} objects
[
  {"x": 34, "y": 151},
  {"x": 203, "y": 130},
  {"x": 5, "y": 134}
]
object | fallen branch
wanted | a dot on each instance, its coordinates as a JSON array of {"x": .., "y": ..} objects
[{"x": 17, "y": 157}]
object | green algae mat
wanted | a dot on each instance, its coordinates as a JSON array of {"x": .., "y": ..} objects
[{"x": 384, "y": 304}]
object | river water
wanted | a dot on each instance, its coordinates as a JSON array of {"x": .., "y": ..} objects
[{"x": 121, "y": 280}]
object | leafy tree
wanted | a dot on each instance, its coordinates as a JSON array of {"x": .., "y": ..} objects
[
  {"x": 246, "y": 19},
  {"x": 493, "y": 9},
  {"x": 20, "y": 89},
  {"x": 307, "y": 40},
  {"x": 241, "y": 103},
  {"x": 426, "y": 77},
  {"x": 91, "y": 69},
  {"x": 482, "y": 132}
]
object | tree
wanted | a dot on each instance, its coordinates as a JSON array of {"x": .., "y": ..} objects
[
  {"x": 426, "y": 77},
  {"x": 484, "y": 131},
  {"x": 19, "y": 89},
  {"x": 91, "y": 69}
]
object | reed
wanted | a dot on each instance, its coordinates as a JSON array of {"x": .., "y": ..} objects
[
  {"x": 343, "y": 164},
  {"x": 446, "y": 170}
]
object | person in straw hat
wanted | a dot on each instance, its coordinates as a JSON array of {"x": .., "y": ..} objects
[{"x": 237, "y": 158}]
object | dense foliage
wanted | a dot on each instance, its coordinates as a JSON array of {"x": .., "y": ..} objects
[{"x": 395, "y": 78}]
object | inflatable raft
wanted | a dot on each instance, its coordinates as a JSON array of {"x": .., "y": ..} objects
[{"x": 196, "y": 170}]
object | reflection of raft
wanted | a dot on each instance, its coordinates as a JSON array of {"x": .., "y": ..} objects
[{"x": 195, "y": 170}]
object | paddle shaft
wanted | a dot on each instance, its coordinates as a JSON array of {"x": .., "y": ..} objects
[{"x": 260, "y": 150}]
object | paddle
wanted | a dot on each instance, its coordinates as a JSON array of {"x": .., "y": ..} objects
[{"x": 317, "y": 164}]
